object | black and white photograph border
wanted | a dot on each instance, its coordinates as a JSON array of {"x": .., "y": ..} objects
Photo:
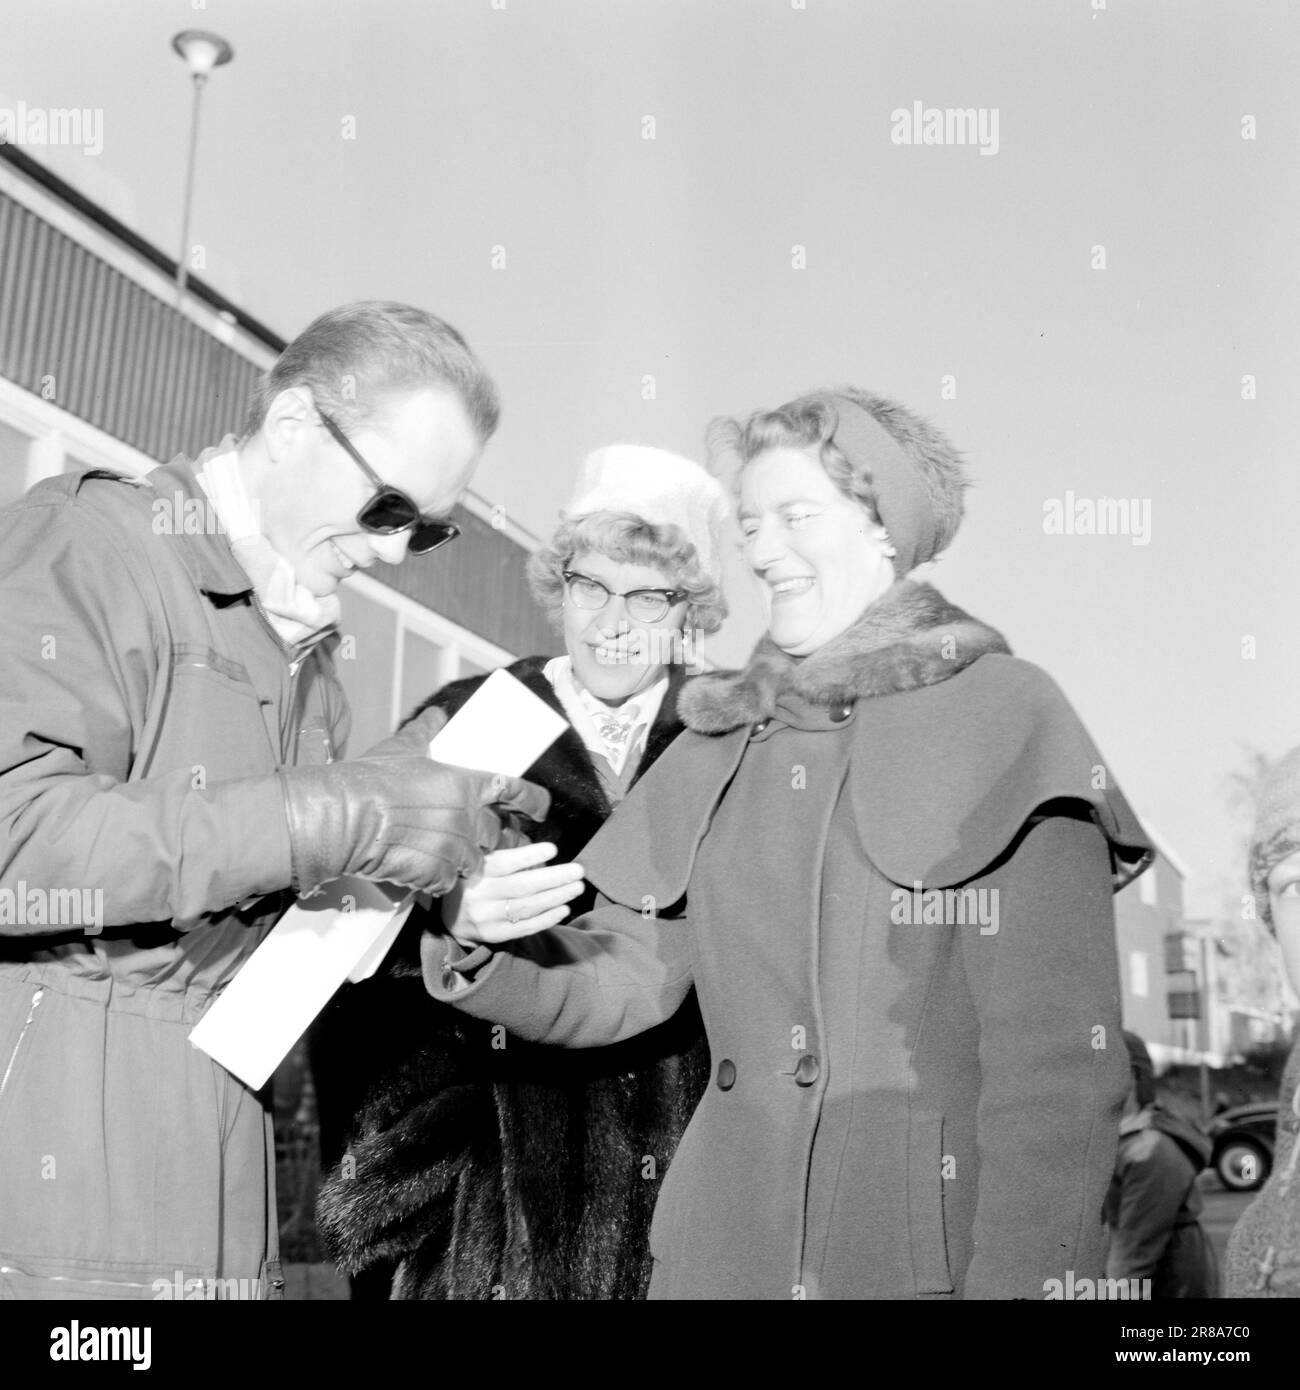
[{"x": 859, "y": 428}]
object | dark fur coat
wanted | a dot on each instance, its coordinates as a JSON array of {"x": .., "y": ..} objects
[{"x": 484, "y": 1166}]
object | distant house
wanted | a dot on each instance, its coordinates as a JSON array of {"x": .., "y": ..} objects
[
  {"x": 1163, "y": 972},
  {"x": 1183, "y": 992},
  {"x": 1249, "y": 1006},
  {"x": 1171, "y": 970}
]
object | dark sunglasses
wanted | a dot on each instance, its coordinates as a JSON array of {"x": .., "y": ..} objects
[{"x": 390, "y": 510}]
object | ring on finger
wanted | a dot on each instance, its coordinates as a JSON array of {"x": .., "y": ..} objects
[{"x": 510, "y": 913}]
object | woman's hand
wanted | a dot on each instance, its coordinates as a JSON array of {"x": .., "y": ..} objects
[{"x": 511, "y": 896}]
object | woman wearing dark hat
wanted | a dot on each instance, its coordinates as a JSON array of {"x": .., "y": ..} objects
[
  {"x": 884, "y": 854},
  {"x": 1263, "y": 1258},
  {"x": 483, "y": 1166}
]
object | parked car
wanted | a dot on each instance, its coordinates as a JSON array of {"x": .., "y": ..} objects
[{"x": 1243, "y": 1144}]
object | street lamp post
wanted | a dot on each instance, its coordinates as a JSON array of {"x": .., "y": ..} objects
[{"x": 202, "y": 52}]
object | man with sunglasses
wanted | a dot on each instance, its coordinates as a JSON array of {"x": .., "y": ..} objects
[{"x": 169, "y": 720}]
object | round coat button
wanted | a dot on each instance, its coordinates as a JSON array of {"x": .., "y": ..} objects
[
  {"x": 841, "y": 712},
  {"x": 726, "y": 1074},
  {"x": 807, "y": 1071},
  {"x": 759, "y": 727}
]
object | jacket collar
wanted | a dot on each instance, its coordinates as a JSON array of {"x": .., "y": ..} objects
[
  {"x": 909, "y": 638},
  {"x": 206, "y": 550},
  {"x": 206, "y": 553}
]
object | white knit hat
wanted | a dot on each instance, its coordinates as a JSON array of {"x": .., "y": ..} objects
[{"x": 663, "y": 488}]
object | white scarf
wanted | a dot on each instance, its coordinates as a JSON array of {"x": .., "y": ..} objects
[
  {"x": 610, "y": 732},
  {"x": 292, "y": 610}
]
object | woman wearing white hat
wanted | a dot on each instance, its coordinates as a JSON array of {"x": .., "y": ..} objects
[{"x": 490, "y": 1167}]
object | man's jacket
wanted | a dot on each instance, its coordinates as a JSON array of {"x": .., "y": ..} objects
[{"x": 145, "y": 704}]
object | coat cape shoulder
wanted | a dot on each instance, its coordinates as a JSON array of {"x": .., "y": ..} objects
[{"x": 952, "y": 757}]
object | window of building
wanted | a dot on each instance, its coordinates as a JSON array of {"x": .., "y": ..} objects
[
  {"x": 365, "y": 662},
  {"x": 1138, "y": 984},
  {"x": 13, "y": 463},
  {"x": 423, "y": 665},
  {"x": 1147, "y": 887}
]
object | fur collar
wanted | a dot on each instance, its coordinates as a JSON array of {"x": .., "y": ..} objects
[{"x": 910, "y": 637}]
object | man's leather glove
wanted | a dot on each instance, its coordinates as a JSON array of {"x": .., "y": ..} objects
[
  {"x": 398, "y": 817},
  {"x": 414, "y": 737}
]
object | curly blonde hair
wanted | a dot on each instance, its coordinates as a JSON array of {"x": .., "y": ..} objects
[{"x": 630, "y": 540}]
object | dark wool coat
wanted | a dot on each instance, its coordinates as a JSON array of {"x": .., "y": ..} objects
[
  {"x": 489, "y": 1166},
  {"x": 906, "y": 1103}
]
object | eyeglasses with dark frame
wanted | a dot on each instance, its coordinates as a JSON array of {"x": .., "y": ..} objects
[
  {"x": 645, "y": 605},
  {"x": 390, "y": 510}
]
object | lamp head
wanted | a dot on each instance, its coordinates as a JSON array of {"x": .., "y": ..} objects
[{"x": 202, "y": 51}]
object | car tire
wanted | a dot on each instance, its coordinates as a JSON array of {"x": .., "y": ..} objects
[{"x": 1243, "y": 1165}]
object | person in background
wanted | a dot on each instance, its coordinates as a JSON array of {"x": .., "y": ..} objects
[
  {"x": 1263, "y": 1258},
  {"x": 884, "y": 857},
  {"x": 169, "y": 716},
  {"x": 488, "y": 1167},
  {"x": 1154, "y": 1205}
]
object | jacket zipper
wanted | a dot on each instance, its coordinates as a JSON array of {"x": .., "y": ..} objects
[
  {"x": 295, "y": 665},
  {"x": 270, "y": 627},
  {"x": 27, "y": 1023}
]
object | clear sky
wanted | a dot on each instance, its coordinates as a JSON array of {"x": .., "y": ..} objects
[{"x": 520, "y": 124}]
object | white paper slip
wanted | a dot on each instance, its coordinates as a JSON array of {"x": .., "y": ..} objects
[
  {"x": 503, "y": 727},
  {"x": 345, "y": 931},
  {"x": 383, "y": 943},
  {"x": 293, "y": 974}
]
